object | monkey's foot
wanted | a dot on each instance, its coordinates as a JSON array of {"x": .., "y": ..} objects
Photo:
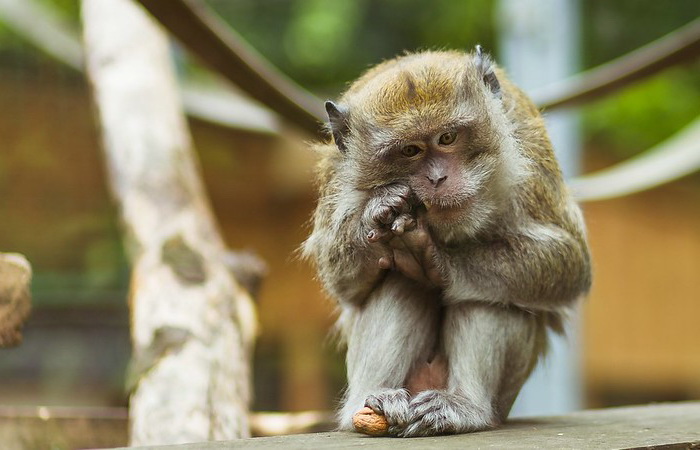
[
  {"x": 392, "y": 404},
  {"x": 438, "y": 412},
  {"x": 366, "y": 421}
]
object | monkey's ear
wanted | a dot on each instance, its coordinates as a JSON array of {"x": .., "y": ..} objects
[
  {"x": 338, "y": 119},
  {"x": 484, "y": 66}
]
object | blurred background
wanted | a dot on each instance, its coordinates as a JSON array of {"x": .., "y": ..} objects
[{"x": 638, "y": 339}]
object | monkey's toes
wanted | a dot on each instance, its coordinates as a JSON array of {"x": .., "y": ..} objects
[{"x": 367, "y": 421}]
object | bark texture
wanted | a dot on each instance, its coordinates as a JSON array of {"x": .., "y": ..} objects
[{"x": 192, "y": 325}]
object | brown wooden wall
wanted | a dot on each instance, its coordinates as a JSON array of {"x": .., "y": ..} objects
[{"x": 640, "y": 323}]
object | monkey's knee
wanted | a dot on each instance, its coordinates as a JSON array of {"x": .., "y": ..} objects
[{"x": 397, "y": 317}]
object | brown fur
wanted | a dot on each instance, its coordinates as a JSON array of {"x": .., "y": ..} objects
[{"x": 500, "y": 240}]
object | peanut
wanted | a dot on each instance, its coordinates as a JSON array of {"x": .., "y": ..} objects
[{"x": 367, "y": 421}]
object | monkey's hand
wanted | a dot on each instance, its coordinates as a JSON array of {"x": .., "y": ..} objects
[
  {"x": 414, "y": 253},
  {"x": 388, "y": 212}
]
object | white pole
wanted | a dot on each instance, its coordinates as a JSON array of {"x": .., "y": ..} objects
[{"x": 539, "y": 45}]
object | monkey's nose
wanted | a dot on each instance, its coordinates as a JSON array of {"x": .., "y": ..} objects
[{"x": 436, "y": 182}]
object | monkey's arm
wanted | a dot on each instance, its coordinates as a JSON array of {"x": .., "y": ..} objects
[
  {"x": 341, "y": 244},
  {"x": 340, "y": 253},
  {"x": 541, "y": 267}
]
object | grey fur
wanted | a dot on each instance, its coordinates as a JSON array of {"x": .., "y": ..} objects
[{"x": 471, "y": 271}]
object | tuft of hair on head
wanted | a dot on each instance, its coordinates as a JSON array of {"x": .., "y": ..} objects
[{"x": 484, "y": 65}]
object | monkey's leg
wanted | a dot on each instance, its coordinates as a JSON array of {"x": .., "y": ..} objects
[
  {"x": 387, "y": 336},
  {"x": 491, "y": 350}
]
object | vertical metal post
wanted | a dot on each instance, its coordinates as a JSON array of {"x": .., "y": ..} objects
[{"x": 539, "y": 45}]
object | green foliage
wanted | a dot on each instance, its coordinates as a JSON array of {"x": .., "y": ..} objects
[
  {"x": 319, "y": 32},
  {"x": 69, "y": 9},
  {"x": 323, "y": 44},
  {"x": 646, "y": 114},
  {"x": 643, "y": 115},
  {"x": 458, "y": 24},
  {"x": 613, "y": 28},
  {"x": 22, "y": 56}
]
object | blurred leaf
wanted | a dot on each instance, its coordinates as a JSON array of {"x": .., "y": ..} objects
[
  {"x": 319, "y": 31},
  {"x": 611, "y": 29},
  {"x": 460, "y": 25},
  {"x": 104, "y": 263},
  {"x": 646, "y": 114}
]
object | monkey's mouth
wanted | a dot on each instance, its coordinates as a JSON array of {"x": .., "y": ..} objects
[
  {"x": 446, "y": 210},
  {"x": 445, "y": 205}
]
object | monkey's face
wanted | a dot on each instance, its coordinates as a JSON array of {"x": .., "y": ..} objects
[
  {"x": 453, "y": 151},
  {"x": 447, "y": 171},
  {"x": 435, "y": 122},
  {"x": 455, "y": 171}
]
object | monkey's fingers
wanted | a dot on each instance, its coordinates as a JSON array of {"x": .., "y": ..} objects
[
  {"x": 399, "y": 197},
  {"x": 420, "y": 245},
  {"x": 407, "y": 264},
  {"x": 414, "y": 239},
  {"x": 378, "y": 234},
  {"x": 405, "y": 222},
  {"x": 384, "y": 214}
]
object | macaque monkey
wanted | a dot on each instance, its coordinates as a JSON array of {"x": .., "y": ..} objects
[{"x": 446, "y": 234}]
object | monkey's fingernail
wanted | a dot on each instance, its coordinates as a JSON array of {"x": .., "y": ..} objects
[
  {"x": 396, "y": 228},
  {"x": 371, "y": 235},
  {"x": 427, "y": 205}
]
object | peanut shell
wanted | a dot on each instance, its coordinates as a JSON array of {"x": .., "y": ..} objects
[{"x": 368, "y": 422}]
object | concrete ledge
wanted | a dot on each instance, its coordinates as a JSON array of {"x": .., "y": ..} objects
[{"x": 667, "y": 426}]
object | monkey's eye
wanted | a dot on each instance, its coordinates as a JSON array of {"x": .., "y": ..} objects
[
  {"x": 410, "y": 151},
  {"x": 447, "y": 138}
]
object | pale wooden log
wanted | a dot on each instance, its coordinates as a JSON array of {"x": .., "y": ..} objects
[
  {"x": 15, "y": 299},
  {"x": 192, "y": 324}
]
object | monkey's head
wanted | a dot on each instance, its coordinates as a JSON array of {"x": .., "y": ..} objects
[{"x": 437, "y": 122}]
